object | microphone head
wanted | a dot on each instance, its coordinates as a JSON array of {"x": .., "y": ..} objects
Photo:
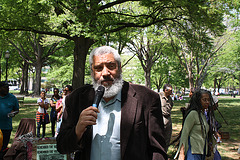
[
  {"x": 100, "y": 90},
  {"x": 98, "y": 96}
]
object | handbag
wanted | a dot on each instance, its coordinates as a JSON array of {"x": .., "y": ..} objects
[{"x": 46, "y": 117}]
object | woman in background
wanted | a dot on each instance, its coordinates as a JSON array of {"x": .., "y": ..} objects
[
  {"x": 196, "y": 132},
  {"x": 53, "y": 114}
]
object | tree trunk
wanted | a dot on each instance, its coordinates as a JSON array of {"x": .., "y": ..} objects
[
  {"x": 190, "y": 80},
  {"x": 147, "y": 74},
  {"x": 24, "y": 79},
  {"x": 22, "y": 82},
  {"x": 38, "y": 67},
  {"x": 37, "y": 85},
  {"x": 81, "y": 49},
  {"x": 214, "y": 85}
]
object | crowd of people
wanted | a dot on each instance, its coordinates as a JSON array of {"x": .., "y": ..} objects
[
  {"x": 129, "y": 122},
  {"x": 57, "y": 105}
]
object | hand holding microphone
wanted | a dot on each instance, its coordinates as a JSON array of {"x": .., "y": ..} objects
[
  {"x": 88, "y": 116},
  {"x": 98, "y": 96}
]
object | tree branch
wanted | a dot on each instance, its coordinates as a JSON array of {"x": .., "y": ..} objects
[{"x": 37, "y": 31}]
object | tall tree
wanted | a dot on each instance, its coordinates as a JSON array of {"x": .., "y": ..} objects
[
  {"x": 33, "y": 52},
  {"x": 195, "y": 49},
  {"x": 227, "y": 63},
  {"x": 148, "y": 48}
]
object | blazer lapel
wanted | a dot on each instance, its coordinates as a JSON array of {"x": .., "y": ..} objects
[{"x": 128, "y": 111}]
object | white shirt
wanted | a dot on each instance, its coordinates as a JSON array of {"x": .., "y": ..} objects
[
  {"x": 40, "y": 109},
  {"x": 106, "y": 133}
]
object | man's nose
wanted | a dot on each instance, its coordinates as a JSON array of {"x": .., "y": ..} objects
[{"x": 105, "y": 71}]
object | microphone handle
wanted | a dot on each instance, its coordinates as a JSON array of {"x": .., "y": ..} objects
[{"x": 94, "y": 105}]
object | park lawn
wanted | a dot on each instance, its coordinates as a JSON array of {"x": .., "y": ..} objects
[{"x": 229, "y": 107}]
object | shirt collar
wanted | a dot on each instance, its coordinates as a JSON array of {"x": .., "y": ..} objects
[{"x": 117, "y": 97}]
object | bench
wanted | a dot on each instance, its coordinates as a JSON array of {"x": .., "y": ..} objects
[{"x": 20, "y": 100}]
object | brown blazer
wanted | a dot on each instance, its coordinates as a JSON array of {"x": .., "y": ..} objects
[{"x": 141, "y": 134}]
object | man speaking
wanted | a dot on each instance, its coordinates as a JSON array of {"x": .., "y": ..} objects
[{"x": 127, "y": 124}]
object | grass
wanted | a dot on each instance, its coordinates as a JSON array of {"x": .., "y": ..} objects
[{"x": 228, "y": 106}]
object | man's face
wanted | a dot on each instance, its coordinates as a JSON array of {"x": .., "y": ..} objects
[
  {"x": 105, "y": 69},
  {"x": 4, "y": 90},
  {"x": 168, "y": 91}
]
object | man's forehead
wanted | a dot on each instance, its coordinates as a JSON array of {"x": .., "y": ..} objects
[
  {"x": 169, "y": 88},
  {"x": 105, "y": 58}
]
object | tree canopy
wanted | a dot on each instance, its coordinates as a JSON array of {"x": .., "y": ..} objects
[{"x": 87, "y": 22}]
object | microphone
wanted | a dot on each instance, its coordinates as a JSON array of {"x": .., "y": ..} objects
[{"x": 98, "y": 96}]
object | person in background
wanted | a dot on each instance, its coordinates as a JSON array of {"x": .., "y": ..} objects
[
  {"x": 196, "y": 130},
  {"x": 61, "y": 105},
  {"x": 43, "y": 103},
  {"x": 127, "y": 124},
  {"x": 53, "y": 115},
  {"x": 215, "y": 155},
  {"x": 167, "y": 105},
  {"x": 9, "y": 107},
  {"x": 191, "y": 92},
  {"x": 59, "y": 109}
]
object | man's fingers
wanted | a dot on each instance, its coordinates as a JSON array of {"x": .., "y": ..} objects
[{"x": 88, "y": 116}]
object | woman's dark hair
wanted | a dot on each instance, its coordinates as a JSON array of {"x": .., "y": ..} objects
[{"x": 56, "y": 89}]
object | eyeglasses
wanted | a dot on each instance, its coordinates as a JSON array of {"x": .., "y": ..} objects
[{"x": 65, "y": 90}]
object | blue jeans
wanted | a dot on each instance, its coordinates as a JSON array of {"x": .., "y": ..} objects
[
  {"x": 217, "y": 156},
  {"x": 58, "y": 126},
  {"x": 53, "y": 118},
  {"x": 191, "y": 156},
  {"x": 43, "y": 128}
]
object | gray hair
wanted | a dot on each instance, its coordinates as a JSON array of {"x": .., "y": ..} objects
[{"x": 104, "y": 50}]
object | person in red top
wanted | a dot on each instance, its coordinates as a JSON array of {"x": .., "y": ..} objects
[{"x": 61, "y": 105}]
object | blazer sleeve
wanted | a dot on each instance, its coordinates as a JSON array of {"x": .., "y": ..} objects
[
  {"x": 67, "y": 138},
  {"x": 155, "y": 130}
]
